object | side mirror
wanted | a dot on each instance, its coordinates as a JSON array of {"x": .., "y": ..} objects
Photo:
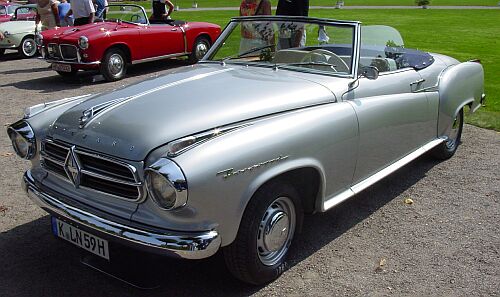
[{"x": 369, "y": 72}]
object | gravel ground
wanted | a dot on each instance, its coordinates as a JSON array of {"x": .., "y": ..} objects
[{"x": 446, "y": 243}]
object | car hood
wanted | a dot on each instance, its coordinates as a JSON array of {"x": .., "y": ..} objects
[
  {"x": 15, "y": 27},
  {"x": 73, "y": 33},
  {"x": 128, "y": 123}
]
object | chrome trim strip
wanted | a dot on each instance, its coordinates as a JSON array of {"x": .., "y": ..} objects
[
  {"x": 187, "y": 245},
  {"x": 7, "y": 46},
  {"x": 107, "y": 178},
  {"x": 357, "y": 188},
  {"x": 159, "y": 58}
]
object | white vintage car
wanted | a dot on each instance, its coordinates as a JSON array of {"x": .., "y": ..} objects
[
  {"x": 19, "y": 34},
  {"x": 283, "y": 116}
]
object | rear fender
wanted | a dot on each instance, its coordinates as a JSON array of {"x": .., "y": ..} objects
[{"x": 459, "y": 85}]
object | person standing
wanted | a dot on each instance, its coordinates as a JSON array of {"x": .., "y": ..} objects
[
  {"x": 251, "y": 35},
  {"x": 100, "y": 11},
  {"x": 48, "y": 14},
  {"x": 159, "y": 12},
  {"x": 63, "y": 9},
  {"x": 83, "y": 12},
  {"x": 296, "y": 34}
]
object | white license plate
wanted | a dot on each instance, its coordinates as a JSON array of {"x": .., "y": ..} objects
[
  {"x": 61, "y": 67},
  {"x": 81, "y": 238}
]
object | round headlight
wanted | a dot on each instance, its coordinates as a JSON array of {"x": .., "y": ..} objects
[
  {"x": 161, "y": 190},
  {"x": 166, "y": 184},
  {"x": 39, "y": 39},
  {"x": 23, "y": 139},
  {"x": 21, "y": 145},
  {"x": 83, "y": 42}
]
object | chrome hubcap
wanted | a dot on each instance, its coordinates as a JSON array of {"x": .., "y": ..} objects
[
  {"x": 451, "y": 142},
  {"x": 276, "y": 230},
  {"x": 29, "y": 47},
  {"x": 201, "y": 50},
  {"x": 115, "y": 64}
]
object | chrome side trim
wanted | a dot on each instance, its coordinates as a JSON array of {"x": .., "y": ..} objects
[
  {"x": 187, "y": 245},
  {"x": 159, "y": 58},
  {"x": 355, "y": 189}
]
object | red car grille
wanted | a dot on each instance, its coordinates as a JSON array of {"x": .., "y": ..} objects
[{"x": 66, "y": 52}]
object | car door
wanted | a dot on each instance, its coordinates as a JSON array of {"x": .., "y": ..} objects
[
  {"x": 161, "y": 40},
  {"x": 393, "y": 117}
]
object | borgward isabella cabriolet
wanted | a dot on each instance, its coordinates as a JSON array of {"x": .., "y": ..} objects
[
  {"x": 228, "y": 154},
  {"x": 124, "y": 37}
]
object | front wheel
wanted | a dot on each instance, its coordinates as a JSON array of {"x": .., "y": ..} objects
[
  {"x": 114, "y": 64},
  {"x": 267, "y": 229},
  {"x": 28, "y": 49},
  {"x": 200, "y": 48},
  {"x": 448, "y": 148}
]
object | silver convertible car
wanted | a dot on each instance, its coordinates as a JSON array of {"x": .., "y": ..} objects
[{"x": 283, "y": 116}]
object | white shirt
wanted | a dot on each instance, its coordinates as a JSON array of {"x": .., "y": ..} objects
[{"x": 82, "y": 8}]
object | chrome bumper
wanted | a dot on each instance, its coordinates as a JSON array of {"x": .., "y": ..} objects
[
  {"x": 187, "y": 245},
  {"x": 70, "y": 62}
]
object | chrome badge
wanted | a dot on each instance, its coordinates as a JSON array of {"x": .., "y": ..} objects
[
  {"x": 231, "y": 172},
  {"x": 92, "y": 112},
  {"x": 73, "y": 168}
]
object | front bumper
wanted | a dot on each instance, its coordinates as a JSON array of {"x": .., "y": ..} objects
[{"x": 187, "y": 245}]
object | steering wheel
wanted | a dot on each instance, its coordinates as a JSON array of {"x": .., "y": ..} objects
[
  {"x": 324, "y": 56},
  {"x": 135, "y": 18}
]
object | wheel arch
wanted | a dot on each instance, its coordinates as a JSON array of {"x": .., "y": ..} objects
[
  {"x": 459, "y": 85},
  {"x": 122, "y": 46},
  {"x": 306, "y": 175}
]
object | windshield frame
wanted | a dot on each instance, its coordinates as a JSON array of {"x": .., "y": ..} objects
[
  {"x": 133, "y": 5},
  {"x": 235, "y": 21}
]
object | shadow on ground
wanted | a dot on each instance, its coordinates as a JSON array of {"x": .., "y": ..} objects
[
  {"x": 55, "y": 82},
  {"x": 34, "y": 263}
]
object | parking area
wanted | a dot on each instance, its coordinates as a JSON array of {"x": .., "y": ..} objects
[{"x": 445, "y": 243}]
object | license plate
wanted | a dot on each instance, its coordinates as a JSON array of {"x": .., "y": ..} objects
[
  {"x": 61, "y": 67},
  {"x": 81, "y": 238}
]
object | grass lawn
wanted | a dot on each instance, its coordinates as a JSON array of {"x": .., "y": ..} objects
[
  {"x": 451, "y": 32},
  {"x": 236, "y": 3}
]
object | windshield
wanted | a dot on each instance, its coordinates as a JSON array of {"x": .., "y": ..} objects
[
  {"x": 23, "y": 13},
  {"x": 125, "y": 13},
  {"x": 293, "y": 43}
]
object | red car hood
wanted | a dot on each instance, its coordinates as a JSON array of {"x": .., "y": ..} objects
[{"x": 73, "y": 33}]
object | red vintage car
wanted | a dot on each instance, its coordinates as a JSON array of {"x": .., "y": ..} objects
[
  {"x": 124, "y": 37},
  {"x": 7, "y": 11}
]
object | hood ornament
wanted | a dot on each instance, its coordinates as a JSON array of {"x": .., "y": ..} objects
[{"x": 89, "y": 114}]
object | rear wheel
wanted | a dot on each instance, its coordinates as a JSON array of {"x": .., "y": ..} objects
[
  {"x": 28, "y": 48},
  {"x": 200, "y": 48},
  {"x": 114, "y": 64},
  {"x": 448, "y": 148},
  {"x": 268, "y": 226}
]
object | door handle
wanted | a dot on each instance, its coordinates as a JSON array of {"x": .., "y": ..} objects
[
  {"x": 417, "y": 82},
  {"x": 174, "y": 29}
]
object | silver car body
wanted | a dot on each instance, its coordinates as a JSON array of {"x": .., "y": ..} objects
[{"x": 335, "y": 133}]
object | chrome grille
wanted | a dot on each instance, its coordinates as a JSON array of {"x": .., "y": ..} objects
[
  {"x": 68, "y": 52},
  {"x": 96, "y": 172},
  {"x": 53, "y": 51}
]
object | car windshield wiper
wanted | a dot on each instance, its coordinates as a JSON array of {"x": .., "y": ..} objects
[
  {"x": 250, "y": 51},
  {"x": 281, "y": 65}
]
